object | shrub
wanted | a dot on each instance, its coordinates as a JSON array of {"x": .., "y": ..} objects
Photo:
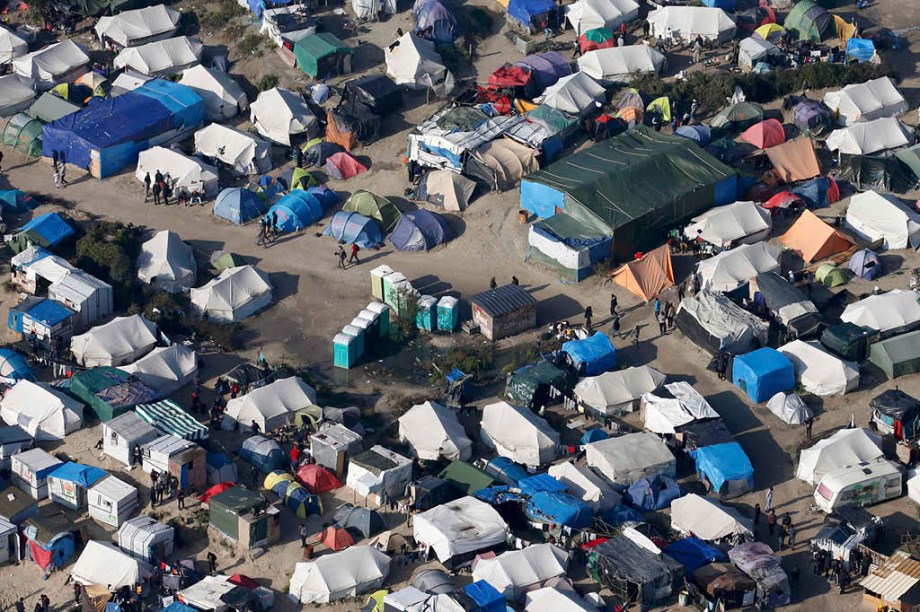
[
  {"x": 268, "y": 81},
  {"x": 108, "y": 251},
  {"x": 251, "y": 45}
]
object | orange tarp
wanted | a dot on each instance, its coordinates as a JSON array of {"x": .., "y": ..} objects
[
  {"x": 794, "y": 160},
  {"x": 814, "y": 239},
  {"x": 765, "y": 134},
  {"x": 345, "y": 139},
  {"x": 649, "y": 276}
]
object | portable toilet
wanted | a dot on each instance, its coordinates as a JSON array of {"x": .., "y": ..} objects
[
  {"x": 389, "y": 286},
  {"x": 377, "y": 276},
  {"x": 382, "y": 311},
  {"x": 365, "y": 326},
  {"x": 112, "y": 501},
  {"x": 31, "y": 469},
  {"x": 373, "y": 329},
  {"x": 426, "y": 316},
  {"x": 9, "y": 542},
  {"x": 343, "y": 350},
  {"x": 448, "y": 313},
  {"x": 358, "y": 333}
]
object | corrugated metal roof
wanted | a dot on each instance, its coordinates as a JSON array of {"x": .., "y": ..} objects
[
  {"x": 503, "y": 300},
  {"x": 894, "y": 578}
]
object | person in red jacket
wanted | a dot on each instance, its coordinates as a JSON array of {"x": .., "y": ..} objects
[{"x": 295, "y": 458}]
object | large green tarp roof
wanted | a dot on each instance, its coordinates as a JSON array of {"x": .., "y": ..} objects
[{"x": 309, "y": 50}]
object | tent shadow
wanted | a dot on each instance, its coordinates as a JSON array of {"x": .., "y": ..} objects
[
  {"x": 285, "y": 284},
  {"x": 456, "y": 223},
  {"x": 557, "y": 308},
  {"x": 367, "y": 55},
  {"x": 738, "y": 416},
  {"x": 772, "y": 465},
  {"x": 432, "y": 285}
]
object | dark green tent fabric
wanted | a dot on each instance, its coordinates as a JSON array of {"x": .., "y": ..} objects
[
  {"x": 24, "y": 134},
  {"x": 110, "y": 392},
  {"x": 226, "y": 508},
  {"x": 897, "y": 356},
  {"x": 738, "y": 117},
  {"x": 321, "y": 55},
  {"x": 848, "y": 340},
  {"x": 461, "y": 118},
  {"x": 466, "y": 478},
  {"x": 529, "y": 386},
  {"x": 808, "y": 21},
  {"x": 876, "y": 172},
  {"x": 555, "y": 120},
  {"x": 910, "y": 157}
]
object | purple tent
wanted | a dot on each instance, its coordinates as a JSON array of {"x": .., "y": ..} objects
[
  {"x": 865, "y": 264},
  {"x": 420, "y": 230},
  {"x": 812, "y": 117},
  {"x": 435, "y": 22},
  {"x": 547, "y": 68}
]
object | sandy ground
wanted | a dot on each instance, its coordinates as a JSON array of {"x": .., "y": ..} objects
[{"x": 314, "y": 300}]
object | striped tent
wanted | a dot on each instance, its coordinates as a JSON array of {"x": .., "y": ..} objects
[{"x": 169, "y": 417}]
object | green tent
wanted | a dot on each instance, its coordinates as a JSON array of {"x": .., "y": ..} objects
[
  {"x": 226, "y": 260},
  {"x": 808, "y": 21},
  {"x": 897, "y": 356},
  {"x": 738, "y": 117},
  {"x": 554, "y": 120},
  {"x": 24, "y": 134},
  {"x": 529, "y": 386},
  {"x": 910, "y": 157},
  {"x": 598, "y": 36},
  {"x": 110, "y": 392},
  {"x": 466, "y": 478},
  {"x": 374, "y": 206},
  {"x": 322, "y": 55},
  {"x": 225, "y": 510},
  {"x": 848, "y": 340},
  {"x": 830, "y": 275},
  {"x": 50, "y": 107},
  {"x": 302, "y": 179},
  {"x": 308, "y": 417}
]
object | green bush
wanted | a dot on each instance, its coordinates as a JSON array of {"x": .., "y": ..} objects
[
  {"x": 268, "y": 81},
  {"x": 251, "y": 45},
  {"x": 108, "y": 251}
]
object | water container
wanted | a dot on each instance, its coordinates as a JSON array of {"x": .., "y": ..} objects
[
  {"x": 365, "y": 326},
  {"x": 358, "y": 333},
  {"x": 426, "y": 316},
  {"x": 389, "y": 287},
  {"x": 343, "y": 351},
  {"x": 377, "y": 275},
  {"x": 383, "y": 317},
  {"x": 448, "y": 313}
]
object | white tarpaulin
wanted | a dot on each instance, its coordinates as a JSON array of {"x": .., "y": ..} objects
[
  {"x": 433, "y": 432},
  {"x": 790, "y": 408},
  {"x": 733, "y": 268},
  {"x": 576, "y": 94},
  {"x": 751, "y": 50},
  {"x": 223, "y": 97},
  {"x": 869, "y": 137},
  {"x": 688, "y": 22},
  {"x": 167, "y": 263},
  {"x": 584, "y": 484},
  {"x": 278, "y": 114},
  {"x": 244, "y": 153},
  {"x": 626, "y": 459},
  {"x": 162, "y": 57},
  {"x": 371, "y": 9},
  {"x": 234, "y": 295},
  {"x": 585, "y": 15},
  {"x": 58, "y": 63},
  {"x": 619, "y": 391},
  {"x": 707, "y": 519},
  {"x": 881, "y": 217},
  {"x": 414, "y": 62},
  {"x": 744, "y": 222},
  {"x": 514, "y": 572},
  {"x": 459, "y": 527},
  {"x": 554, "y": 599},
  {"x": 11, "y": 46},
  {"x": 621, "y": 64},
  {"x": 270, "y": 406},
  {"x": 845, "y": 448},
  {"x": 518, "y": 434},
  {"x": 206, "y": 593},
  {"x": 884, "y": 312},
  {"x": 140, "y": 26},
  {"x": 44, "y": 412},
  {"x": 120, "y": 341},
  {"x": 346, "y": 573},
  {"x": 664, "y": 414},
  {"x": 165, "y": 369},
  {"x": 866, "y": 101},
  {"x": 102, "y": 563},
  {"x": 187, "y": 174},
  {"x": 818, "y": 371},
  {"x": 16, "y": 94}
]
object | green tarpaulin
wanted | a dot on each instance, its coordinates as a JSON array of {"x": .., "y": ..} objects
[
  {"x": 24, "y": 134},
  {"x": 897, "y": 356},
  {"x": 465, "y": 477},
  {"x": 110, "y": 392},
  {"x": 374, "y": 206},
  {"x": 848, "y": 341},
  {"x": 529, "y": 386},
  {"x": 322, "y": 55},
  {"x": 226, "y": 508}
]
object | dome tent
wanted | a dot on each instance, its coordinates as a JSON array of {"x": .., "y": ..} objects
[
  {"x": 23, "y": 133},
  {"x": 374, "y": 206},
  {"x": 317, "y": 151},
  {"x": 343, "y": 166},
  {"x": 354, "y": 228},
  {"x": 420, "y": 230},
  {"x": 808, "y": 21},
  {"x": 738, "y": 117},
  {"x": 435, "y": 22},
  {"x": 865, "y": 264},
  {"x": 595, "y": 39},
  {"x": 13, "y": 366},
  {"x": 296, "y": 211},
  {"x": 237, "y": 205},
  {"x": 790, "y": 408}
]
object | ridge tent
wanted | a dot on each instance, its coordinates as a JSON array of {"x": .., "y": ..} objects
[
  {"x": 865, "y": 264},
  {"x": 889, "y": 313},
  {"x": 237, "y": 205},
  {"x": 814, "y": 239},
  {"x": 435, "y": 22},
  {"x": 679, "y": 405},
  {"x": 848, "y": 341},
  {"x": 766, "y": 134},
  {"x": 378, "y": 208},
  {"x": 223, "y": 97},
  {"x": 343, "y": 166},
  {"x": 120, "y": 341},
  {"x": 278, "y": 114},
  {"x": 11, "y": 46},
  {"x": 270, "y": 406},
  {"x": 16, "y": 95},
  {"x": 373, "y": 9},
  {"x": 811, "y": 117},
  {"x": 420, "y": 230},
  {"x": 187, "y": 174},
  {"x": 102, "y": 563},
  {"x": 577, "y": 94},
  {"x": 374, "y": 91},
  {"x": 457, "y": 529},
  {"x": 168, "y": 417},
  {"x": 869, "y": 137},
  {"x": 715, "y": 323},
  {"x": 763, "y": 373},
  {"x": 414, "y": 62},
  {"x": 109, "y": 392},
  {"x": 790, "y": 408},
  {"x": 449, "y": 190},
  {"x": 808, "y": 21},
  {"x": 165, "y": 369},
  {"x": 139, "y": 26},
  {"x": 794, "y": 160},
  {"x": 500, "y": 165},
  {"x": 875, "y": 217},
  {"x": 533, "y": 385},
  {"x": 732, "y": 269},
  {"x": 167, "y": 263},
  {"x": 726, "y": 467},
  {"x": 688, "y": 22},
  {"x": 145, "y": 538},
  {"x": 346, "y": 573},
  {"x": 708, "y": 520},
  {"x": 845, "y": 448},
  {"x": 296, "y": 211},
  {"x": 362, "y": 522},
  {"x": 738, "y": 117},
  {"x": 234, "y": 295},
  {"x": 867, "y": 101},
  {"x": 621, "y": 64},
  {"x": 335, "y": 538},
  {"x": 590, "y": 356},
  {"x": 58, "y": 63},
  {"x": 352, "y": 228},
  {"x": 518, "y": 434},
  {"x": 882, "y": 172},
  {"x": 161, "y": 58},
  {"x": 897, "y": 356},
  {"x": 583, "y": 484},
  {"x": 124, "y": 433},
  {"x": 547, "y": 67},
  {"x": 655, "y": 493},
  {"x": 515, "y": 572},
  {"x": 47, "y": 230},
  {"x": 262, "y": 453},
  {"x": 551, "y": 599},
  {"x": 724, "y": 226},
  {"x": 626, "y": 459},
  {"x": 322, "y": 55},
  {"x": 22, "y": 133},
  {"x": 586, "y": 15},
  {"x": 532, "y": 16},
  {"x": 242, "y": 152},
  {"x": 617, "y": 393},
  {"x": 818, "y": 371},
  {"x": 44, "y": 412}
]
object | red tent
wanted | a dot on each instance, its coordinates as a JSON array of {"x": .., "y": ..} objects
[
  {"x": 316, "y": 479},
  {"x": 243, "y": 581},
  {"x": 765, "y": 134},
  {"x": 783, "y": 199},
  {"x": 215, "y": 490},
  {"x": 342, "y": 166},
  {"x": 336, "y": 538},
  {"x": 509, "y": 76},
  {"x": 598, "y": 38}
]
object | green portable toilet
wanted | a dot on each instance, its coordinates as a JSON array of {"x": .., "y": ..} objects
[
  {"x": 343, "y": 351},
  {"x": 448, "y": 313},
  {"x": 365, "y": 326},
  {"x": 377, "y": 275},
  {"x": 358, "y": 333},
  {"x": 383, "y": 317},
  {"x": 390, "y": 283},
  {"x": 426, "y": 316}
]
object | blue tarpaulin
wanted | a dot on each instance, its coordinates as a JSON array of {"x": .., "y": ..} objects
[
  {"x": 860, "y": 49},
  {"x": 237, "y": 205},
  {"x": 558, "y": 509},
  {"x": 485, "y": 596},
  {"x": 763, "y": 373},
  {"x": 725, "y": 5},
  {"x": 592, "y": 356},
  {"x": 594, "y": 435},
  {"x": 814, "y": 192},
  {"x": 258, "y": 6},
  {"x": 49, "y": 313},
  {"x": 354, "y": 228},
  {"x": 653, "y": 494},
  {"x": 726, "y": 466},
  {"x": 435, "y": 22},
  {"x": 81, "y": 475},
  {"x": 505, "y": 470},
  {"x": 420, "y": 230},
  {"x": 47, "y": 230},
  {"x": 526, "y": 12},
  {"x": 16, "y": 201},
  {"x": 540, "y": 483},
  {"x": 621, "y": 513},
  {"x": 693, "y": 553},
  {"x": 296, "y": 211},
  {"x": 13, "y": 365}
]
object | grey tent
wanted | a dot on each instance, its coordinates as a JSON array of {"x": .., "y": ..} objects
[
  {"x": 790, "y": 408},
  {"x": 447, "y": 189},
  {"x": 897, "y": 356},
  {"x": 363, "y": 521}
]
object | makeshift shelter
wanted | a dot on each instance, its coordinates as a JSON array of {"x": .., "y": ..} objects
[
  {"x": 137, "y": 27},
  {"x": 333, "y": 444},
  {"x": 435, "y": 22},
  {"x": 420, "y": 230},
  {"x": 376, "y": 207},
  {"x": 168, "y": 417},
  {"x": 16, "y": 95},
  {"x": 889, "y": 313},
  {"x": 375, "y": 92},
  {"x": 577, "y": 94},
  {"x": 172, "y": 455},
  {"x": 569, "y": 246},
  {"x": 347, "y": 573},
  {"x": 809, "y": 21},
  {"x": 500, "y": 165},
  {"x": 47, "y": 230},
  {"x": 187, "y": 174},
  {"x": 727, "y": 226},
  {"x": 882, "y": 172},
  {"x": 321, "y": 55},
  {"x": 634, "y": 569},
  {"x": 278, "y": 114},
  {"x": 237, "y": 205},
  {"x": 628, "y": 458},
  {"x": 122, "y": 434},
  {"x": 342, "y": 166},
  {"x": 458, "y": 529},
  {"x": 794, "y": 160},
  {"x": 814, "y": 239},
  {"x": 21, "y": 133},
  {"x": 162, "y": 57},
  {"x": 715, "y": 323},
  {"x": 733, "y": 269},
  {"x": 763, "y": 373},
  {"x": 621, "y": 64},
  {"x": 296, "y": 211},
  {"x": 373, "y": 9},
  {"x": 243, "y": 517},
  {"x": 532, "y": 16},
  {"x": 845, "y": 448},
  {"x": 44, "y": 412},
  {"x": 590, "y": 356},
  {"x": 109, "y": 392},
  {"x": 586, "y": 15},
  {"x": 147, "y": 539},
  {"x": 102, "y": 563},
  {"x": 875, "y": 217},
  {"x": 667, "y": 411},
  {"x": 547, "y": 67},
  {"x": 223, "y": 97},
  {"x": 582, "y": 483},
  {"x": 866, "y": 101},
  {"x": 811, "y": 117},
  {"x": 11, "y": 46},
  {"x": 754, "y": 50},
  {"x": 687, "y": 22},
  {"x": 165, "y": 369},
  {"x": 234, "y": 295},
  {"x": 726, "y": 468},
  {"x": 352, "y": 228},
  {"x": 167, "y": 263},
  {"x": 709, "y": 520},
  {"x": 270, "y": 406},
  {"x": 122, "y": 340},
  {"x": 738, "y": 117},
  {"x": 849, "y": 341},
  {"x": 789, "y": 408},
  {"x": 447, "y": 189},
  {"x": 760, "y": 563},
  {"x": 617, "y": 392},
  {"x": 14, "y": 367},
  {"x": 433, "y": 432},
  {"x": 69, "y": 482},
  {"x": 58, "y": 63},
  {"x": 414, "y": 62},
  {"x": 654, "y": 493},
  {"x": 50, "y": 540},
  {"x": 242, "y": 152},
  {"x": 647, "y": 276},
  {"x": 535, "y": 384},
  {"x": 818, "y": 371},
  {"x": 518, "y": 434},
  {"x": 515, "y": 572},
  {"x": 111, "y": 501},
  {"x": 897, "y": 356},
  {"x": 869, "y": 137},
  {"x": 896, "y": 413},
  {"x": 379, "y": 473}
]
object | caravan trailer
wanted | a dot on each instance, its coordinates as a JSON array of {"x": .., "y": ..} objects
[{"x": 863, "y": 484}]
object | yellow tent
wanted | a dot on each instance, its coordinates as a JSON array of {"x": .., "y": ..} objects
[
  {"x": 663, "y": 105},
  {"x": 375, "y": 602},
  {"x": 648, "y": 276},
  {"x": 523, "y": 106},
  {"x": 273, "y": 478},
  {"x": 769, "y": 29},
  {"x": 845, "y": 31},
  {"x": 814, "y": 239}
]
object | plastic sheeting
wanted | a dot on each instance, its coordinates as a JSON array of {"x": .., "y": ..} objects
[
  {"x": 584, "y": 484},
  {"x": 626, "y": 459},
  {"x": 647, "y": 276},
  {"x": 591, "y": 356},
  {"x": 654, "y": 493},
  {"x": 877, "y": 217},
  {"x": 664, "y": 415},
  {"x": 741, "y": 222},
  {"x": 716, "y": 323},
  {"x": 726, "y": 467},
  {"x": 794, "y": 160},
  {"x": 845, "y": 448},
  {"x": 763, "y": 373},
  {"x": 818, "y": 371}
]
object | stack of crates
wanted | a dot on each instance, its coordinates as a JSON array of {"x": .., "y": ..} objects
[
  {"x": 344, "y": 351},
  {"x": 426, "y": 317},
  {"x": 377, "y": 276},
  {"x": 358, "y": 333},
  {"x": 448, "y": 313},
  {"x": 382, "y": 311}
]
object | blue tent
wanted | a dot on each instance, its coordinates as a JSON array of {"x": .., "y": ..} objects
[
  {"x": 594, "y": 435},
  {"x": 592, "y": 356},
  {"x": 530, "y": 14},
  {"x": 700, "y": 134},
  {"x": 324, "y": 195},
  {"x": 237, "y": 205},
  {"x": 15, "y": 201},
  {"x": 435, "y": 22},
  {"x": 763, "y": 373},
  {"x": 727, "y": 467},
  {"x": 814, "y": 192},
  {"x": 505, "y": 470},
  {"x": 263, "y": 453},
  {"x": 178, "y": 606},
  {"x": 14, "y": 366},
  {"x": 558, "y": 509},
  {"x": 420, "y": 230},
  {"x": 485, "y": 596},
  {"x": 693, "y": 553},
  {"x": 259, "y": 6},
  {"x": 865, "y": 264},
  {"x": 296, "y": 211},
  {"x": 547, "y": 67},
  {"x": 653, "y": 494},
  {"x": 541, "y": 483},
  {"x": 351, "y": 227},
  {"x": 81, "y": 475},
  {"x": 725, "y": 5},
  {"x": 621, "y": 513},
  {"x": 860, "y": 50},
  {"x": 47, "y": 230}
]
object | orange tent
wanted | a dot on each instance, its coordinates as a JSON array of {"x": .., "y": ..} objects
[
  {"x": 794, "y": 160},
  {"x": 340, "y": 135},
  {"x": 647, "y": 277},
  {"x": 336, "y": 538},
  {"x": 765, "y": 134},
  {"x": 814, "y": 239}
]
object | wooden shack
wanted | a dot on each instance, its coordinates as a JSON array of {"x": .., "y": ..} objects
[{"x": 504, "y": 311}]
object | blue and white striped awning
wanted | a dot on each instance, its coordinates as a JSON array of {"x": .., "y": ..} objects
[{"x": 168, "y": 417}]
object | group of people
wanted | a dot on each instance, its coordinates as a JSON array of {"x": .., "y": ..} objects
[
  {"x": 838, "y": 570},
  {"x": 163, "y": 486},
  {"x": 268, "y": 229},
  {"x": 341, "y": 255},
  {"x": 664, "y": 315},
  {"x": 160, "y": 186}
]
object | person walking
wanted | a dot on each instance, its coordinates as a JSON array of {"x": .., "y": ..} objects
[
  {"x": 782, "y": 538},
  {"x": 180, "y": 497},
  {"x": 340, "y": 254},
  {"x": 1, "y": 161},
  {"x": 662, "y": 323},
  {"x": 262, "y": 238},
  {"x": 20, "y": 605},
  {"x": 636, "y": 337},
  {"x": 657, "y": 306},
  {"x": 146, "y": 187},
  {"x": 354, "y": 254},
  {"x": 669, "y": 314},
  {"x": 212, "y": 562},
  {"x": 768, "y": 498},
  {"x": 303, "y": 535},
  {"x": 613, "y": 304},
  {"x": 808, "y": 424},
  {"x": 57, "y": 178},
  {"x": 295, "y": 458},
  {"x": 616, "y": 324},
  {"x": 771, "y": 521},
  {"x": 790, "y": 531},
  {"x": 589, "y": 314},
  {"x": 492, "y": 283},
  {"x": 515, "y": 281},
  {"x": 756, "y": 515},
  {"x": 697, "y": 50},
  {"x": 694, "y": 106},
  {"x": 166, "y": 190}
]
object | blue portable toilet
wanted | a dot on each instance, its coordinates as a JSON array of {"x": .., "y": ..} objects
[
  {"x": 763, "y": 373},
  {"x": 237, "y": 205},
  {"x": 448, "y": 313},
  {"x": 358, "y": 334},
  {"x": 426, "y": 315},
  {"x": 727, "y": 468},
  {"x": 344, "y": 350},
  {"x": 591, "y": 356},
  {"x": 383, "y": 317},
  {"x": 367, "y": 331}
]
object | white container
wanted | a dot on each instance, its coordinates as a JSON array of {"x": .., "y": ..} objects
[
  {"x": 31, "y": 469},
  {"x": 112, "y": 501}
]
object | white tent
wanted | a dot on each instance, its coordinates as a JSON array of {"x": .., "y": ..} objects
[
  {"x": 16, "y": 94},
  {"x": 379, "y": 472},
  {"x": 206, "y": 593},
  {"x": 576, "y": 94},
  {"x": 129, "y": 80},
  {"x": 707, "y": 519},
  {"x": 518, "y": 434},
  {"x": 234, "y": 295},
  {"x": 122, "y": 340},
  {"x": 44, "y": 412},
  {"x": 554, "y": 599},
  {"x": 752, "y": 50},
  {"x": 162, "y": 57},
  {"x": 913, "y": 488},
  {"x": 621, "y": 64},
  {"x": 166, "y": 369},
  {"x": 102, "y": 563},
  {"x": 741, "y": 222},
  {"x": 244, "y": 153},
  {"x": 459, "y": 527},
  {"x": 146, "y": 538},
  {"x": 866, "y": 101},
  {"x": 869, "y": 137},
  {"x": 223, "y": 97},
  {"x": 884, "y": 312},
  {"x": 845, "y": 448},
  {"x": 818, "y": 371},
  {"x": 628, "y": 458},
  {"x": 279, "y": 113},
  {"x": 11, "y": 46},
  {"x": 414, "y": 62},
  {"x": 61, "y": 62},
  {"x": 270, "y": 406},
  {"x": 347, "y": 573},
  {"x": 882, "y": 217},
  {"x": 433, "y": 432},
  {"x": 139, "y": 26},
  {"x": 514, "y": 572},
  {"x": 664, "y": 414},
  {"x": 790, "y": 408},
  {"x": 186, "y": 173},
  {"x": 688, "y": 22},
  {"x": 584, "y": 484},
  {"x": 585, "y": 15},
  {"x": 733, "y": 268},
  {"x": 167, "y": 263},
  {"x": 617, "y": 392},
  {"x": 371, "y": 9}
]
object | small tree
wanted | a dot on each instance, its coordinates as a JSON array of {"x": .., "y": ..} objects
[{"x": 407, "y": 302}]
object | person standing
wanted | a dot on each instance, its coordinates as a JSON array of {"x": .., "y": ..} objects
[
  {"x": 769, "y": 500},
  {"x": 46, "y": 603},
  {"x": 790, "y": 531},
  {"x": 697, "y": 50},
  {"x": 621, "y": 41},
  {"x": 1, "y": 161},
  {"x": 613, "y": 304},
  {"x": 295, "y": 458},
  {"x": 212, "y": 562},
  {"x": 589, "y": 314},
  {"x": 156, "y": 194},
  {"x": 340, "y": 254},
  {"x": 669, "y": 314},
  {"x": 657, "y": 306},
  {"x": 771, "y": 521},
  {"x": 636, "y": 336},
  {"x": 694, "y": 106},
  {"x": 303, "y": 535},
  {"x": 354, "y": 254},
  {"x": 180, "y": 497},
  {"x": 20, "y": 605},
  {"x": 616, "y": 324},
  {"x": 146, "y": 187},
  {"x": 77, "y": 591},
  {"x": 57, "y": 178},
  {"x": 756, "y": 515},
  {"x": 808, "y": 424},
  {"x": 662, "y": 323},
  {"x": 492, "y": 283}
]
